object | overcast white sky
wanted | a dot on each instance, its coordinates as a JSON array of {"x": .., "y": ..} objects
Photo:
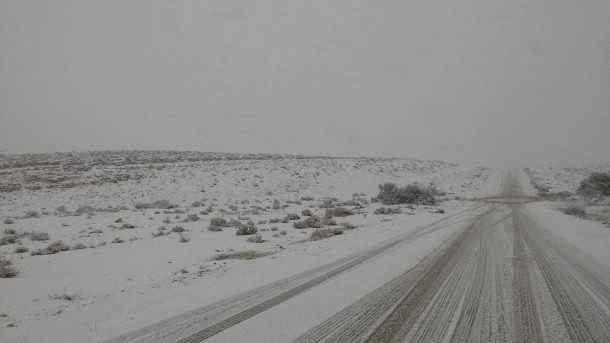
[{"x": 487, "y": 81}]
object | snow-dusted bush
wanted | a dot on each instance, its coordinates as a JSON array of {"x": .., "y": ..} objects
[
  {"x": 596, "y": 184},
  {"x": 53, "y": 248},
  {"x": 390, "y": 194},
  {"x": 325, "y": 233},
  {"x": 6, "y": 268},
  {"x": 313, "y": 222},
  {"x": 246, "y": 229},
  {"x": 39, "y": 236}
]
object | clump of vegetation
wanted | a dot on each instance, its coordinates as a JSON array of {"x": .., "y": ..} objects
[
  {"x": 276, "y": 204},
  {"x": 159, "y": 204},
  {"x": 347, "y": 226},
  {"x": 258, "y": 238},
  {"x": 246, "y": 229},
  {"x": 390, "y": 194},
  {"x": 291, "y": 216},
  {"x": 574, "y": 209},
  {"x": 178, "y": 229},
  {"x": 6, "y": 268},
  {"x": 339, "y": 212},
  {"x": 160, "y": 232},
  {"x": 310, "y": 222},
  {"x": 325, "y": 233},
  {"x": 21, "y": 250},
  {"x": 51, "y": 249},
  {"x": 79, "y": 246},
  {"x": 216, "y": 224},
  {"x": 9, "y": 221},
  {"x": 241, "y": 255},
  {"x": 387, "y": 210},
  {"x": 306, "y": 213},
  {"x": 10, "y": 231},
  {"x": 183, "y": 238},
  {"x": 39, "y": 236},
  {"x": 595, "y": 185},
  {"x": 32, "y": 214},
  {"x": 9, "y": 239},
  {"x": 192, "y": 218}
]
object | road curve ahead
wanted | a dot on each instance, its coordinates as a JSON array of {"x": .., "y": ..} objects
[{"x": 501, "y": 276}]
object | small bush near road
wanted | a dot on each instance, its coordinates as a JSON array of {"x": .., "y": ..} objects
[
  {"x": 574, "y": 209},
  {"x": 241, "y": 255},
  {"x": 390, "y": 194},
  {"x": 39, "y": 236},
  {"x": 256, "y": 239},
  {"x": 159, "y": 204},
  {"x": 596, "y": 184},
  {"x": 313, "y": 222},
  {"x": 325, "y": 233},
  {"x": 246, "y": 229},
  {"x": 387, "y": 210},
  {"x": 6, "y": 268},
  {"x": 53, "y": 248},
  {"x": 339, "y": 212}
]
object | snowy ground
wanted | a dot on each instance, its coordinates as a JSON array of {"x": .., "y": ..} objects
[{"x": 106, "y": 288}]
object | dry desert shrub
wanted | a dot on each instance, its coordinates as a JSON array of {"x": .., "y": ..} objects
[
  {"x": 241, "y": 255},
  {"x": 39, "y": 236},
  {"x": 246, "y": 229},
  {"x": 390, "y": 194},
  {"x": 6, "y": 268},
  {"x": 325, "y": 233},
  {"x": 313, "y": 222},
  {"x": 52, "y": 248}
]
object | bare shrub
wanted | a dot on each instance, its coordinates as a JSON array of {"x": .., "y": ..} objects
[
  {"x": 160, "y": 232},
  {"x": 256, "y": 239},
  {"x": 339, "y": 212},
  {"x": 51, "y": 249},
  {"x": 178, "y": 229},
  {"x": 246, "y": 229},
  {"x": 347, "y": 226},
  {"x": 241, "y": 255},
  {"x": 310, "y": 222},
  {"x": 192, "y": 218},
  {"x": 21, "y": 250},
  {"x": 387, "y": 210},
  {"x": 390, "y": 194},
  {"x": 325, "y": 233},
  {"x": 79, "y": 246},
  {"x": 183, "y": 238},
  {"x": 276, "y": 204},
  {"x": 32, "y": 214},
  {"x": 39, "y": 236},
  {"x": 596, "y": 184},
  {"x": 159, "y": 204},
  {"x": 9, "y": 239},
  {"x": 6, "y": 268},
  {"x": 306, "y": 213},
  {"x": 291, "y": 216},
  {"x": 574, "y": 209}
]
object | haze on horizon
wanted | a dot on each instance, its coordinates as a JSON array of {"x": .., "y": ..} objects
[{"x": 483, "y": 81}]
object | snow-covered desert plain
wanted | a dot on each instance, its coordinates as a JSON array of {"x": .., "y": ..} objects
[{"x": 108, "y": 242}]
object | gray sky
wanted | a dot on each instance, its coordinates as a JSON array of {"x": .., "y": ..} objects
[{"x": 488, "y": 81}]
